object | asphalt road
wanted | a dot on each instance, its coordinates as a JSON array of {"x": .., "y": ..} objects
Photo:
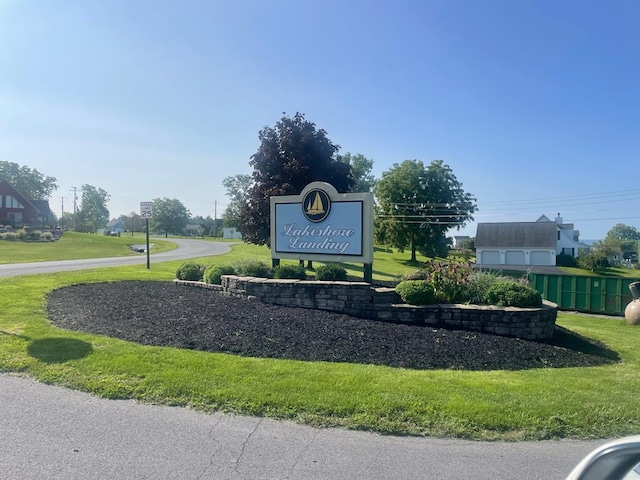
[
  {"x": 187, "y": 248},
  {"x": 49, "y": 432}
]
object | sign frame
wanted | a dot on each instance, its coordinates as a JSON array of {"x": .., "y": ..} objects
[{"x": 146, "y": 209}]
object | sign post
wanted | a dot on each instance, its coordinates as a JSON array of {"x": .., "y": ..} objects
[{"x": 146, "y": 212}]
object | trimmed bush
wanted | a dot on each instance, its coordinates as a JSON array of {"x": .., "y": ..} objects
[
  {"x": 566, "y": 260},
  {"x": 331, "y": 272},
  {"x": 190, "y": 271},
  {"x": 253, "y": 268},
  {"x": 416, "y": 292},
  {"x": 510, "y": 294},
  {"x": 290, "y": 271},
  {"x": 213, "y": 274},
  {"x": 46, "y": 236}
]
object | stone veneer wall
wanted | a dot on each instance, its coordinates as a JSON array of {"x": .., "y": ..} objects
[{"x": 360, "y": 299}]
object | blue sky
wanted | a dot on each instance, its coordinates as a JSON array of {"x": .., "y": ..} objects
[{"x": 535, "y": 105}]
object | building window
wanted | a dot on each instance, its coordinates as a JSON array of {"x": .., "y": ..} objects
[
  {"x": 558, "y": 232},
  {"x": 12, "y": 202},
  {"x": 15, "y": 218}
]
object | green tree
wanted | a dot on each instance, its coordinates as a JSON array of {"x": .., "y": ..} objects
[
  {"x": 29, "y": 182},
  {"x": 237, "y": 187},
  {"x": 169, "y": 216},
  {"x": 469, "y": 244},
  {"x": 620, "y": 231},
  {"x": 134, "y": 222},
  {"x": 208, "y": 225},
  {"x": 417, "y": 205},
  {"x": 93, "y": 213},
  {"x": 627, "y": 238},
  {"x": 361, "y": 168},
  {"x": 291, "y": 155}
]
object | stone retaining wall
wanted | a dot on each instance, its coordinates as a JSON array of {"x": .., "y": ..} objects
[{"x": 360, "y": 299}]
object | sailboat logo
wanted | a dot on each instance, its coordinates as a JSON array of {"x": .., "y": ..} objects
[{"x": 316, "y": 205}]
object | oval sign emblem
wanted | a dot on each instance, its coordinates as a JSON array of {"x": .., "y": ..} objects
[{"x": 316, "y": 205}]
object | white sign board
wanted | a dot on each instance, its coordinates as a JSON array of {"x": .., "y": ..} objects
[
  {"x": 322, "y": 224},
  {"x": 146, "y": 209}
]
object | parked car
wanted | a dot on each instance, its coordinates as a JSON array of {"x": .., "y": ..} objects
[{"x": 617, "y": 460}]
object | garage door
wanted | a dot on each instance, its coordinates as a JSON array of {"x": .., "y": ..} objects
[
  {"x": 514, "y": 257},
  {"x": 542, "y": 258},
  {"x": 490, "y": 257}
]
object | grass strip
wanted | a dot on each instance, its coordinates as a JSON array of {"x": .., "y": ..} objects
[{"x": 584, "y": 403}]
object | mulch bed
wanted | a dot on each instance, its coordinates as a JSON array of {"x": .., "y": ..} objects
[{"x": 166, "y": 314}]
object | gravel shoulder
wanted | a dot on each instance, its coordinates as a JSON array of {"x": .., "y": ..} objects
[{"x": 166, "y": 314}]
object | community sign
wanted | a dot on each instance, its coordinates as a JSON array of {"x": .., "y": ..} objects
[{"x": 322, "y": 224}]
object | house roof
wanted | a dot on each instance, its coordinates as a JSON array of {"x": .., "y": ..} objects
[
  {"x": 113, "y": 223},
  {"x": 42, "y": 206},
  {"x": 517, "y": 234},
  {"x": 4, "y": 184}
]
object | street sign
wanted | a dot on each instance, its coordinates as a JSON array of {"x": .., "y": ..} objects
[{"x": 146, "y": 209}]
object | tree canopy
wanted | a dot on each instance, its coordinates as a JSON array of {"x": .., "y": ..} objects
[
  {"x": 418, "y": 204},
  {"x": 291, "y": 155},
  {"x": 626, "y": 238},
  {"x": 169, "y": 216},
  {"x": 93, "y": 213},
  {"x": 361, "y": 168},
  {"x": 238, "y": 188},
  {"x": 620, "y": 231},
  {"x": 29, "y": 182}
]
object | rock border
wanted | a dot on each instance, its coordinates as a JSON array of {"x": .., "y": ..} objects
[{"x": 361, "y": 299}]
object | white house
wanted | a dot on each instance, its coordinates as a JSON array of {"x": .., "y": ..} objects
[
  {"x": 526, "y": 243},
  {"x": 115, "y": 226},
  {"x": 457, "y": 240},
  {"x": 231, "y": 233}
]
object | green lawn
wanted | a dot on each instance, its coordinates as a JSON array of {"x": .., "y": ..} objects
[
  {"x": 536, "y": 404},
  {"x": 73, "y": 246}
]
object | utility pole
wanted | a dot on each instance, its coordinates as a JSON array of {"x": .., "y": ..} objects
[
  {"x": 75, "y": 206},
  {"x": 61, "y": 210},
  {"x": 215, "y": 218}
]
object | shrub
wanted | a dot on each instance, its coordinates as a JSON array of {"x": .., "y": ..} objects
[
  {"x": 449, "y": 280},
  {"x": 46, "y": 236},
  {"x": 10, "y": 236},
  {"x": 416, "y": 292},
  {"x": 190, "y": 271},
  {"x": 213, "y": 274},
  {"x": 253, "y": 268},
  {"x": 21, "y": 234},
  {"x": 593, "y": 260},
  {"x": 566, "y": 260},
  {"x": 511, "y": 294},
  {"x": 290, "y": 271},
  {"x": 477, "y": 286},
  {"x": 331, "y": 272}
]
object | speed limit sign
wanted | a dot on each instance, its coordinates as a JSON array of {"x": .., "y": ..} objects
[{"x": 146, "y": 209}]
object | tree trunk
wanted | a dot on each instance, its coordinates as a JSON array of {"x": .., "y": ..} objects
[{"x": 413, "y": 247}]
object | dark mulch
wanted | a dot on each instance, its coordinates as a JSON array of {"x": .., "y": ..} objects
[{"x": 166, "y": 314}]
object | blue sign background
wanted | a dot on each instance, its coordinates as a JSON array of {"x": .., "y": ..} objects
[{"x": 344, "y": 216}]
